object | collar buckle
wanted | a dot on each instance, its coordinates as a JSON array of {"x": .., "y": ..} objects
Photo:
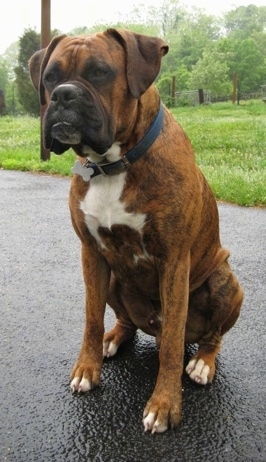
[
  {"x": 126, "y": 162},
  {"x": 101, "y": 170}
]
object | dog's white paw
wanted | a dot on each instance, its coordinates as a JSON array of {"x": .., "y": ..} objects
[
  {"x": 198, "y": 371},
  {"x": 109, "y": 349},
  {"x": 80, "y": 385},
  {"x": 152, "y": 424}
]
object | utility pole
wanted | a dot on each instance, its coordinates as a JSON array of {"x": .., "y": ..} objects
[{"x": 45, "y": 40}]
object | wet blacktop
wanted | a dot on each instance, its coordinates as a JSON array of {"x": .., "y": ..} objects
[{"x": 41, "y": 326}]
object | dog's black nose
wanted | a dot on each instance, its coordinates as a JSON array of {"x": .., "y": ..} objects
[{"x": 65, "y": 93}]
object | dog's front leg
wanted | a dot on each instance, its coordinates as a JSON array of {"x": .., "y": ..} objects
[
  {"x": 87, "y": 370},
  {"x": 164, "y": 407}
]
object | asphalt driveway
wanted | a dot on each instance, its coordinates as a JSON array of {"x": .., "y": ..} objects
[{"x": 41, "y": 325}]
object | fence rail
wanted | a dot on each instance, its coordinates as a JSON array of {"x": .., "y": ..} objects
[{"x": 192, "y": 97}]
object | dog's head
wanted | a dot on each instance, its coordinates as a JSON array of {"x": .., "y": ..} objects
[{"x": 91, "y": 85}]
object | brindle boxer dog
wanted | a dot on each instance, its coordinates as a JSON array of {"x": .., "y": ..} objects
[{"x": 145, "y": 215}]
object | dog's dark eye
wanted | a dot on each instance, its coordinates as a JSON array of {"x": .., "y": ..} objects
[
  {"x": 49, "y": 77},
  {"x": 95, "y": 72},
  {"x": 52, "y": 75},
  {"x": 99, "y": 72}
]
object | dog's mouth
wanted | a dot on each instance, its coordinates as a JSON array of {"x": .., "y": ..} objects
[{"x": 65, "y": 135}]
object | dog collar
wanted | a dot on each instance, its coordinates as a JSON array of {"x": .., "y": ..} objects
[{"x": 90, "y": 170}]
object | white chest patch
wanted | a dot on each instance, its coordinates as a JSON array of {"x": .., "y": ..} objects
[{"x": 102, "y": 206}]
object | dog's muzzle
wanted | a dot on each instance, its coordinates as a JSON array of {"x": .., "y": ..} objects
[{"x": 76, "y": 118}]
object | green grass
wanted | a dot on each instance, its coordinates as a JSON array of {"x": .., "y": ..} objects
[
  {"x": 20, "y": 148},
  {"x": 230, "y": 146},
  {"x": 229, "y": 142}
]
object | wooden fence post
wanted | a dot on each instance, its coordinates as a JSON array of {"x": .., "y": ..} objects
[
  {"x": 45, "y": 39},
  {"x": 235, "y": 80},
  {"x": 201, "y": 96},
  {"x": 173, "y": 90}
]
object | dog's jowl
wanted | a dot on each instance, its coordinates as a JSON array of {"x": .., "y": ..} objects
[{"x": 145, "y": 215}]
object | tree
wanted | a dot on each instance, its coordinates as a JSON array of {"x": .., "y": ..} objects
[
  {"x": 211, "y": 73},
  {"x": 8, "y": 61},
  {"x": 187, "y": 38},
  {"x": 182, "y": 78},
  {"x": 170, "y": 17},
  {"x": 243, "y": 21},
  {"x": 28, "y": 44},
  {"x": 247, "y": 58},
  {"x": 198, "y": 32},
  {"x": 260, "y": 40},
  {"x": 3, "y": 73},
  {"x": 250, "y": 64},
  {"x": 11, "y": 58}
]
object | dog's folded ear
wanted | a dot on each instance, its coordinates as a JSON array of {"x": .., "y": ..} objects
[
  {"x": 143, "y": 55},
  {"x": 37, "y": 64}
]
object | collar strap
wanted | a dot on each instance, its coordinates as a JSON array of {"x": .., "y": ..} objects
[{"x": 90, "y": 170}]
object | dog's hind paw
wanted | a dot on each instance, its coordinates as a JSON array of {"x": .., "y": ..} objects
[
  {"x": 118, "y": 335},
  {"x": 198, "y": 371},
  {"x": 109, "y": 349}
]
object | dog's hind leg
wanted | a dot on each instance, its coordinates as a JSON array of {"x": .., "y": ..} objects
[
  {"x": 124, "y": 329},
  {"x": 133, "y": 311},
  {"x": 223, "y": 299}
]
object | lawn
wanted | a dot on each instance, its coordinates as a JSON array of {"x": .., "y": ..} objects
[{"x": 229, "y": 143}]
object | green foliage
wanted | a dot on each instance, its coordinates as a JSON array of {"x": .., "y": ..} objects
[
  {"x": 211, "y": 73},
  {"x": 170, "y": 17},
  {"x": 182, "y": 75},
  {"x": 250, "y": 63},
  {"x": 187, "y": 39},
  {"x": 243, "y": 21},
  {"x": 79, "y": 31},
  {"x": 12, "y": 101},
  {"x": 247, "y": 58},
  {"x": 8, "y": 61},
  {"x": 3, "y": 73},
  {"x": 29, "y": 43},
  {"x": 164, "y": 84}
]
